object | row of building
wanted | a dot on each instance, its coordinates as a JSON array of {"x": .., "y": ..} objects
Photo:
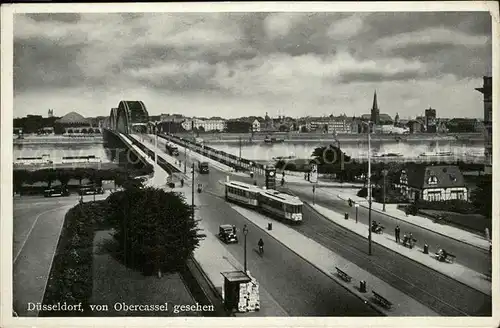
[{"x": 381, "y": 123}]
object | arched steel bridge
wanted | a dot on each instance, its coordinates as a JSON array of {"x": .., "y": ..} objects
[{"x": 129, "y": 117}]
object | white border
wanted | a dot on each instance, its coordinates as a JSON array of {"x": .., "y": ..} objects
[{"x": 7, "y": 153}]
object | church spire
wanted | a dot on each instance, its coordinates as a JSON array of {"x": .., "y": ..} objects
[
  {"x": 375, "y": 112},
  {"x": 375, "y": 105}
]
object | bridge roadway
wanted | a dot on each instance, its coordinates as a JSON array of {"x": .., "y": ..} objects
[{"x": 435, "y": 290}]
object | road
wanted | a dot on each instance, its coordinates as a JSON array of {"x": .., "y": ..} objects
[
  {"x": 299, "y": 287},
  {"x": 439, "y": 292},
  {"x": 469, "y": 256},
  {"x": 37, "y": 224}
]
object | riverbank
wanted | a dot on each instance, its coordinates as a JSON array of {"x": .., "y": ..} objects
[
  {"x": 323, "y": 137},
  {"x": 44, "y": 140}
]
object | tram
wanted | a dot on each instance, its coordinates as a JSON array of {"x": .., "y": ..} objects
[{"x": 273, "y": 202}]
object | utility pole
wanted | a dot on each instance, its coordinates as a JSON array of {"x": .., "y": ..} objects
[
  {"x": 192, "y": 191},
  {"x": 185, "y": 157},
  {"x": 369, "y": 193},
  {"x": 384, "y": 173},
  {"x": 239, "y": 162}
]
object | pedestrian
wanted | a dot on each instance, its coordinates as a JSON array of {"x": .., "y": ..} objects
[
  {"x": 405, "y": 239},
  {"x": 411, "y": 240},
  {"x": 397, "y": 231}
]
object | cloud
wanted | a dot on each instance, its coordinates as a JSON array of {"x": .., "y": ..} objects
[{"x": 306, "y": 60}]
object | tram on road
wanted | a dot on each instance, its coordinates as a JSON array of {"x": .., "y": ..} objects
[
  {"x": 273, "y": 202},
  {"x": 243, "y": 193},
  {"x": 285, "y": 206}
]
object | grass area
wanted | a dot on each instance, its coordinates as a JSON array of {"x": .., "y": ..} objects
[{"x": 115, "y": 283}]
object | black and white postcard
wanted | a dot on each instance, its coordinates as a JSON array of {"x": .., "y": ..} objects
[{"x": 249, "y": 164}]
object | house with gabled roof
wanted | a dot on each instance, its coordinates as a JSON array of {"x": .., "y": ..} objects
[{"x": 433, "y": 183}]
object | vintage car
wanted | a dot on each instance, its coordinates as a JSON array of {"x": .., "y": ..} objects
[
  {"x": 227, "y": 233},
  {"x": 90, "y": 191},
  {"x": 56, "y": 192}
]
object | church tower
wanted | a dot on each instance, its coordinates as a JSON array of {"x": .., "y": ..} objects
[{"x": 375, "y": 111}]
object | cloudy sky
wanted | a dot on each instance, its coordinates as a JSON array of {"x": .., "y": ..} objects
[{"x": 236, "y": 64}]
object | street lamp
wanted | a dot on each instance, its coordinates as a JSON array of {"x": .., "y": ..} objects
[
  {"x": 245, "y": 232},
  {"x": 156, "y": 142},
  {"x": 384, "y": 173},
  {"x": 369, "y": 123},
  {"x": 356, "y": 205}
]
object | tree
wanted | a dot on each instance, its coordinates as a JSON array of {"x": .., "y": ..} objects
[
  {"x": 283, "y": 128},
  {"x": 201, "y": 128},
  {"x": 481, "y": 197},
  {"x": 303, "y": 129},
  {"x": 154, "y": 228}
]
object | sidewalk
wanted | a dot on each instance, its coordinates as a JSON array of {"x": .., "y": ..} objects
[
  {"x": 456, "y": 271},
  {"x": 326, "y": 261},
  {"x": 446, "y": 230}
]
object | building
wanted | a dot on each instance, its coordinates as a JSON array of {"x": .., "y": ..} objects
[
  {"x": 433, "y": 183},
  {"x": 416, "y": 126},
  {"x": 51, "y": 113},
  {"x": 256, "y": 126},
  {"x": 430, "y": 120},
  {"x": 486, "y": 90},
  {"x": 74, "y": 123},
  {"x": 205, "y": 125},
  {"x": 175, "y": 118}
]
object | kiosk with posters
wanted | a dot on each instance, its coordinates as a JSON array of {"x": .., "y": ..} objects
[{"x": 233, "y": 283}]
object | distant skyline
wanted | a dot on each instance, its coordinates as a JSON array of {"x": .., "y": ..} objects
[{"x": 242, "y": 64}]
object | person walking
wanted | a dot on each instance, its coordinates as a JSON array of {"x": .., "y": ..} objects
[
  {"x": 405, "y": 239},
  {"x": 411, "y": 240},
  {"x": 397, "y": 231}
]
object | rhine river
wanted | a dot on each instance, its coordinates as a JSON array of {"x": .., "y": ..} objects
[{"x": 260, "y": 151}]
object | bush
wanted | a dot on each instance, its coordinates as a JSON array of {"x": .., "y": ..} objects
[
  {"x": 454, "y": 205},
  {"x": 70, "y": 277},
  {"x": 154, "y": 228}
]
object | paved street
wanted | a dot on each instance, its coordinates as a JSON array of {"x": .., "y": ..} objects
[
  {"x": 36, "y": 230},
  {"x": 300, "y": 288},
  {"x": 429, "y": 287}
]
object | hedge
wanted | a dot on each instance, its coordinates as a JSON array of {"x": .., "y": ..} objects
[{"x": 70, "y": 278}]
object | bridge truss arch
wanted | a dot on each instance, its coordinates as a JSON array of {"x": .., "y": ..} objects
[{"x": 129, "y": 116}]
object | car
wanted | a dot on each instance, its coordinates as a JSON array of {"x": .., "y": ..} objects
[
  {"x": 90, "y": 190},
  {"x": 227, "y": 233},
  {"x": 56, "y": 192}
]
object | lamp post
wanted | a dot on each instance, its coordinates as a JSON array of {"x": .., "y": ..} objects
[
  {"x": 356, "y": 205},
  {"x": 245, "y": 232},
  {"x": 155, "y": 130},
  {"x": 369, "y": 123},
  {"x": 384, "y": 173},
  {"x": 192, "y": 190}
]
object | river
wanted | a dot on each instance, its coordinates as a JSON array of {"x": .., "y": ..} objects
[{"x": 260, "y": 151}]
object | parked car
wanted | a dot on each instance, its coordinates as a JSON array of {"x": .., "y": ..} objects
[
  {"x": 56, "y": 192},
  {"x": 227, "y": 233},
  {"x": 90, "y": 190}
]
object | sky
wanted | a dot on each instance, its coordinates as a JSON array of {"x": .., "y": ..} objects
[{"x": 240, "y": 64}]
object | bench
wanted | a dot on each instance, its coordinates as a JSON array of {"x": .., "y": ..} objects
[
  {"x": 382, "y": 300},
  {"x": 450, "y": 258},
  {"x": 344, "y": 276}
]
